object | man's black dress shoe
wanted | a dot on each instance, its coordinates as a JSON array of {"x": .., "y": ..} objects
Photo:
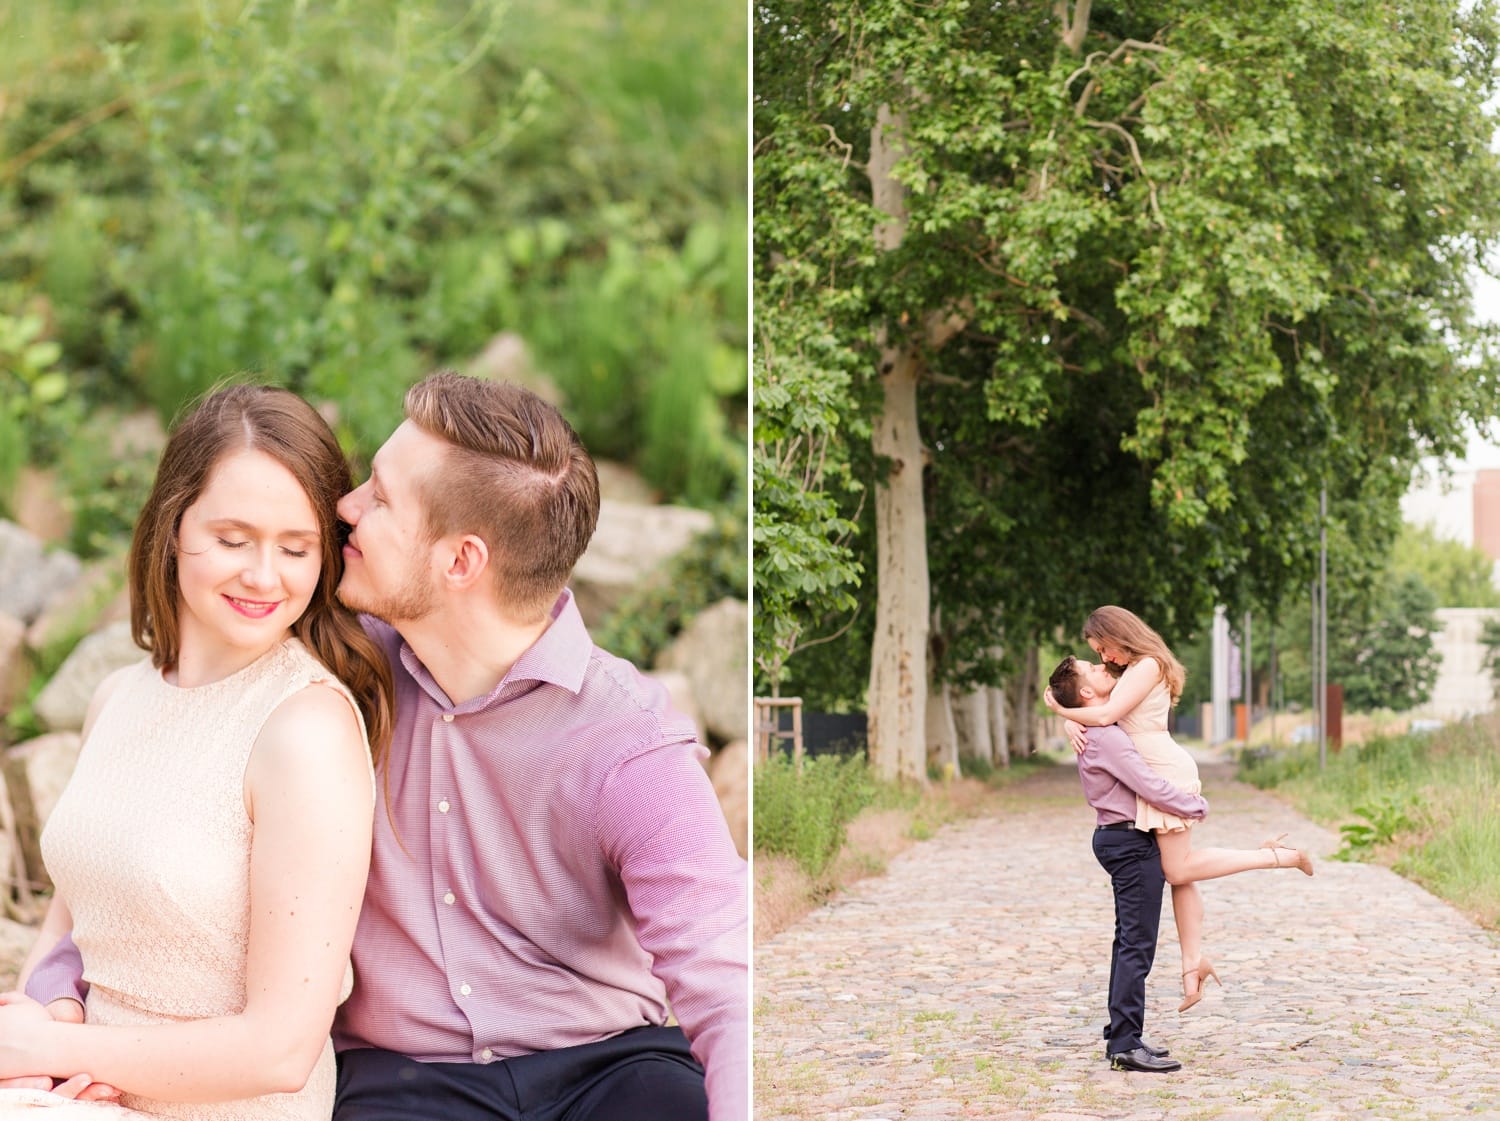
[
  {"x": 1142, "y": 1060},
  {"x": 1159, "y": 1052}
]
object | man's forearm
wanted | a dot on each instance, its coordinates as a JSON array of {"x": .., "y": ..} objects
[{"x": 1118, "y": 756}]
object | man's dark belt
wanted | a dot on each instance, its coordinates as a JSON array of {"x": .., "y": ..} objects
[{"x": 1119, "y": 825}]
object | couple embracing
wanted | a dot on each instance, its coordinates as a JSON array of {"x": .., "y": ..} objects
[
  {"x": 1145, "y": 791},
  {"x": 372, "y": 731}
]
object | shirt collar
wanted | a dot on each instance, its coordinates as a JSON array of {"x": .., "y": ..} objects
[{"x": 559, "y": 657}]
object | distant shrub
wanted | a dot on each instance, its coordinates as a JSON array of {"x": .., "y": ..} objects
[{"x": 806, "y": 816}]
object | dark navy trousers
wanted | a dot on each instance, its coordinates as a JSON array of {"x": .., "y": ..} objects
[
  {"x": 645, "y": 1074},
  {"x": 1133, "y": 862}
]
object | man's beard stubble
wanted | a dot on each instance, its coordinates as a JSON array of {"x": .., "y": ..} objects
[{"x": 411, "y": 603}]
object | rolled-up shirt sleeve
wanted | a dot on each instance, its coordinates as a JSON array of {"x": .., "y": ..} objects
[{"x": 59, "y": 974}]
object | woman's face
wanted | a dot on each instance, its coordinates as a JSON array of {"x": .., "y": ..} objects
[
  {"x": 248, "y": 558},
  {"x": 1109, "y": 653}
]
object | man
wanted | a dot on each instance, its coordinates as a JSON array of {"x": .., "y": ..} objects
[
  {"x": 550, "y": 868},
  {"x": 1113, "y": 774}
]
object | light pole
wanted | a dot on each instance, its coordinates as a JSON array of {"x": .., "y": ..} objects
[{"x": 1322, "y": 625}]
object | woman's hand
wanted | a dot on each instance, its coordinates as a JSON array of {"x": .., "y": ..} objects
[
  {"x": 22, "y": 1022},
  {"x": 1051, "y": 701},
  {"x": 80, "y": 1087},
  {"x": 1078, "y": 734}
]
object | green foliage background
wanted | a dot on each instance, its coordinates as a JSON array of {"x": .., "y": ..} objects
[
  {"x": 343, "y": 196},
  {"x": 1213, "y": 260}
]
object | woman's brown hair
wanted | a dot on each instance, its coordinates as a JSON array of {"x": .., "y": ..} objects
[
  {"x": 283, "y": 426},
  {"x": 1125, "y": 631}
]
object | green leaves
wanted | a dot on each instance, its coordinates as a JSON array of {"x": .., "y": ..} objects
[{"x": 1199, "y": 278}]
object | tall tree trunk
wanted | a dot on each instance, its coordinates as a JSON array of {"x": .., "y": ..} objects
[
  {"x": 1022, "y": 695},
  {"x": 994, "y": 698},
  {"x": 942, "y": 733},
  {"x": 971, "y": 718},
  {"x": 898, "y": 659}
]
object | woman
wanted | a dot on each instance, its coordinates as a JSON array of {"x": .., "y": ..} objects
[
  {"x": 1147, "y": 690},
  {"x": 211, "y": 848}
]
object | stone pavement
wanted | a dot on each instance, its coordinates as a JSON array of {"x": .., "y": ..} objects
[{"x": 969, "y": 982}]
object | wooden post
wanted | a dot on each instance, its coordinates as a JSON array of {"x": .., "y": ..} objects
[
  {"x": 768, "y": 731},
  {"x": 1335, "y": 708}
]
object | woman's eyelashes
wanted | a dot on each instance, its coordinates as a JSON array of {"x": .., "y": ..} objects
[{"x": 295, "y": 553}]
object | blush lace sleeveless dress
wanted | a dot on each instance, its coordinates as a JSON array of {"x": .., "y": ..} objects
[
  {"x": 150, "y": 847},
  {"x": 1147, "y": 726}
]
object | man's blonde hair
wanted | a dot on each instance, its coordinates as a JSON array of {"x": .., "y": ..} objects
[{"x": 514, "y": 474}]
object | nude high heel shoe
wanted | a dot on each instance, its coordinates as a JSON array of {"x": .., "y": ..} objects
[
  {"x": 1303, "y": 862},
  {"x": 1202, "y": 972}
]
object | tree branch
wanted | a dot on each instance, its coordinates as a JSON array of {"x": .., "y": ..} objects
[
  {"x": 833, "y": 139},
  {"x": 72, "y": 128},
  {"x": 943, "y": 326},
  {"x": 1136, "y": 156},
  {"x": 1076, "y": 29},
  {"x": 828, "y": 638}
]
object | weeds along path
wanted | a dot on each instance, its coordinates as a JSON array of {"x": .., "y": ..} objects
[{"x": 969, "y": 982}]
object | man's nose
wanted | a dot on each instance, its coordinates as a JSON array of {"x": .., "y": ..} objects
[{"x": 349, "y": 506}]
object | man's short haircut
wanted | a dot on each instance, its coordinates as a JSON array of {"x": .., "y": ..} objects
[
  {"x": 1066, "y": 682},
  {"x": 516, "y": 475}
]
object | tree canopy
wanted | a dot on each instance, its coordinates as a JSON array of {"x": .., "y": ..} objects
[{"x": 1160, "y": 272}]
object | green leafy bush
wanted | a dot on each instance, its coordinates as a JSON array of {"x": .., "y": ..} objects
[
  {"x": 37, "y": 402},
  {"x": 105, "y": 485},
  {"x": 1385, "y": 817},
  {"x": 340, "y": 198},
  {"x": 806, "y": 816}
]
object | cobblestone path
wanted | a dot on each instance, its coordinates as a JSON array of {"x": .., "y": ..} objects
[{"x": 969, "y": 982}]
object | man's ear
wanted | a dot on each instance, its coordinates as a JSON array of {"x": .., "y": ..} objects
[
  {"x": 468, "y": 562},
  {"x": 1086, "y": 693}
]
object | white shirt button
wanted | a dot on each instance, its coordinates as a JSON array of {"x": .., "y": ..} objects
[
  {"x": 443, "y": 806},
  {"x": 447, "y": 718},
  {"x": 486, "y": 1054},
  {"x": 464, "y": 990},
  {"x": 449, "y": 898}
]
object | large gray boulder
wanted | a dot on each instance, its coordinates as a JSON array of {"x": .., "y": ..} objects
[
  {"x": 506, "y": 357},
  {"x": 729, "y": 771},
  {"x": 16, "y": 940},
  {"x": 12, "y": 862},
  {"x": 35, "y": 774},
  {"x": 86, "y": 604},
  {"x": 713, "y": 652},
  {"x": 621, "y": 484},
  {"x": 44, "y": 764},
  {"x": 29, "y": 574},
  {"x": 61, "y": 706},
  {"x": 680, "y": 691},
  {"x": 630, "y": 545}
]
